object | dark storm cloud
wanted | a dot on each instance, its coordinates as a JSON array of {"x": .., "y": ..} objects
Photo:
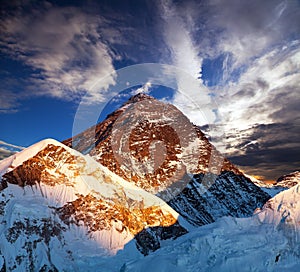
[
  {"x": 289, "y": 99},
  {"x": 270, "y": 149}
]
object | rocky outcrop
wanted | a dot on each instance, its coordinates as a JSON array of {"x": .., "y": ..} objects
[
  {"x": 288, "y": 181},
  {"x": 209, "y": 197}
]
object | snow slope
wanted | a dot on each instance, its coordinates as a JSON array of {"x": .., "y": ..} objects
[
  {"x": 283, "y": 209},
  {"x": 268, "y": 241},
  {"x": 59, "y": 208}
]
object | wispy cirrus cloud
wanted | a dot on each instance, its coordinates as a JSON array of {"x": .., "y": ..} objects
[
  {"x": 64, "y": 48},
  {"x": 192, "y": 96},
  {"x": 242, "y": 31},
  {"x": 8, "y": 102},
  {"x": 7, "y": 149}
]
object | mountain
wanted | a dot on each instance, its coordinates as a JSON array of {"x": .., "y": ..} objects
[
  {"x": 7, "y": 149},
  {"x": 59, "y": 207},
  {"x": 290, "y": 180},
  {"x": 283, "y": 210},
  {"x": 156, "y": 147},
  {"x": 270, "y": 188},
  {"x": 158, "y": 179},
  {"x": 267, "y": 241}
]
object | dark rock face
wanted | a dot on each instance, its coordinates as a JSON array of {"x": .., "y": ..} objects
[
  {"x": 203, "y": 188},
  {"x": 228, "y": 194},
  {"x": 149, "y": 240},
  {"x": 33, "y": 239}
]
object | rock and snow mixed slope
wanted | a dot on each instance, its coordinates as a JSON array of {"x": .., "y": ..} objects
[
  {"x": 283, "y": 210},
  {"x": 58, "y": 207},
  {"x": 191, "y": 175},
  {"x": 288, "y": 181},
  {"x": 267, "y": 241},
  {"x": 134, "y": 129},
  {"x": 283, "y": 183}
]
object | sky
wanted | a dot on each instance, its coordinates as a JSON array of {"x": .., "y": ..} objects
[{"x": 243, "y": 55}]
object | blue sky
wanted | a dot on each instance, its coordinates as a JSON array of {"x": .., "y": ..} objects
[{"x": 244, "y": 54}]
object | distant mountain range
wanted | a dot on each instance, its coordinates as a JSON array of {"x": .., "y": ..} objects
[{"x": 143, "y": 182}]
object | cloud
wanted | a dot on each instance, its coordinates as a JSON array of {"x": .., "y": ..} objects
[
  {"x": 274, "y": 149},
  {"x": 192, "y": 96},
  {"x": 7, "y": 149},
  {"x": 10, "y": 146},
  {"x": 260, "y": 115},
  {"x": 5, "y": 153},
  {"x": 8, "y": 102},
  {"x": 239, "y": 31},
  {"x": 256, "y": 25},
  {"x": 63, "y": 46},
  {"x": 267, "y": 92},
  {"x": 144, "y": 89},
  {"x": 266, "y": 150},
  {"x": 255, "y": 49}
]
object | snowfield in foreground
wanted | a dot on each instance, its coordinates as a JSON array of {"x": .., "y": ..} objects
[{"x": 268, "y": 241}]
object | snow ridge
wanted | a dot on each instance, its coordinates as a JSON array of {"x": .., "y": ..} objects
[{"x": 55, "y": 196}]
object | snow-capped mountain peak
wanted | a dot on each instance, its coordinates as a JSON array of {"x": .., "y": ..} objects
[
  {"x": 51, "y": 193},
  {"x": 26, "y": 153},
  {"x": 283, "y": 208},
  {"x": 155, "y": 146}
]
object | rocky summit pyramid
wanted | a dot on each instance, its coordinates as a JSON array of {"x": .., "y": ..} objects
[
  {"x": 58, "y": 207},
  {"x": 154, "y": 146}
]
